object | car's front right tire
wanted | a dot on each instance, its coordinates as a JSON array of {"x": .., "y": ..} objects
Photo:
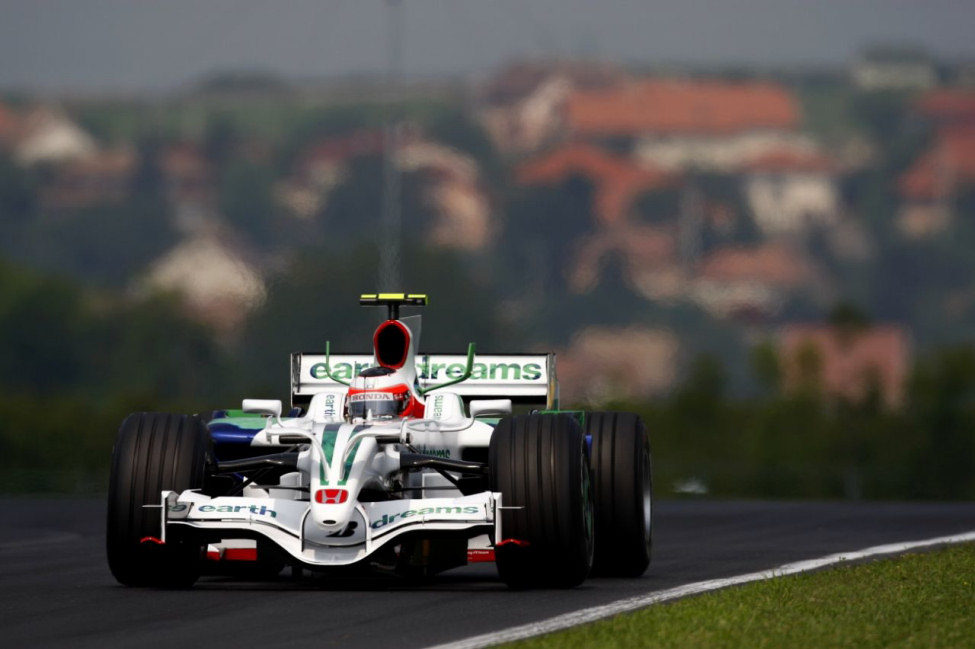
[{"x": 153, "y": 452}]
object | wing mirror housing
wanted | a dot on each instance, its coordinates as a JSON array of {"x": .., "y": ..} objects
[
  {"x": 490, "y": 407},
  {"x": 270, "y": 407}
]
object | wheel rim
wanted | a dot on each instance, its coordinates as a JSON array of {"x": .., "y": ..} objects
[{"x": 647, "y": 495}]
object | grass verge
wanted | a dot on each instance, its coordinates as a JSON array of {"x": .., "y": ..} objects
[{"x": 916, "y": 600}]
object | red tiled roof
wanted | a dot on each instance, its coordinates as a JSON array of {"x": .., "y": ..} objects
[
  {"x": 338, "y": 149},
  {"x": 948, "y": 105},
  {"x": 850, "y": 360},
  {"x": 617, "y": 180},
  {"x": 184, "y": 159},
  {"x": 950, "y": 161},
  {"x": 100, "y": 178},
  {"x": 682, "y": 106},
  {"x": 770, "y": 263}
]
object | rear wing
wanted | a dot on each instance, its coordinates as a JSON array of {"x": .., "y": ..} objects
[{"x": 523, "y": 378}]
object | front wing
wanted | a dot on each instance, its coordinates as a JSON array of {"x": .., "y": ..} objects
[{"x": 287, "y": 523}]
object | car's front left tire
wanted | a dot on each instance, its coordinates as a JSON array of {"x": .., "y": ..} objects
[{"x": 538, "y": 463}]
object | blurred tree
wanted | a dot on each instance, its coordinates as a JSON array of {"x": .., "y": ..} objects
[
  {"x": 353, "y": 210},
  {"x": 17, "y": 193},
  {"x": 848, "y": 317},
  {"x": 456, "y": 129},
  {"x": 543, "y": 226},
  {"x": 942, "y": 405},
  {"x": 148, "y": 185},
  {"x": 220, "y": 138},
  {"x": 106, "y": 245},
  {"x": 44, "y": 332},
  {"x": 151, "y": 348},
  {"x": 766, "y": 366},
  {"x": 247, "y": 199},
  {"x": 887, "y": 117},
  {"x": 808, "y": 364},
  {"x": 700, "y": 397}
]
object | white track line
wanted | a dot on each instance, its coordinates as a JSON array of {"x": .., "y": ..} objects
[{"x": 576, "y": 618}]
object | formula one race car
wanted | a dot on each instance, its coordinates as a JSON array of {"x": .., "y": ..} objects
[{"x": 399, "y": 462}]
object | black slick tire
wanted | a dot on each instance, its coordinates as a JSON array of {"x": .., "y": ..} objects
[
  {"x": 153, "y": 452},
  {"x": 623, "y": 493},
  {"x": 539, "y": 464}
]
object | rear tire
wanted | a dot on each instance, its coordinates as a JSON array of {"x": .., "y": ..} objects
[
  {"x": 623, "y": 493},
  {"x": 153, "y": 452},
  {"x": 538, "y": 463}
]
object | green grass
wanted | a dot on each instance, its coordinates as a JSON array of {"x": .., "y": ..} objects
[{"x": 918, "y": 600}]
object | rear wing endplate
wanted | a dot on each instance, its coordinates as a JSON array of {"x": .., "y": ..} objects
[{"x": 523, "y": 378}]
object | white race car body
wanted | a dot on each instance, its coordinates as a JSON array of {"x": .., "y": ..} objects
[
  {"x": 315, "y": 513},
  {"x": 407, "y": 463}
]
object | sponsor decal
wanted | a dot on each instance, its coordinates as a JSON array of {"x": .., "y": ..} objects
[
  {"x": 429, "y": 371},
  {"x": 388, "y": 519},
  {"x": 331, "y": 496},
  {"x": 341, "y": 370},
  {"x": 436, "y": 452},
  {"x": 370, "y": 396},
  {"x": 329, "y": 409},
  {"x": 237, "y": 509},
  {"x": 438, "y": 406}
]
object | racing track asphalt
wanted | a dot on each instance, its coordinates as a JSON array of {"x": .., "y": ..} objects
[{"x": 56, "y": 591}]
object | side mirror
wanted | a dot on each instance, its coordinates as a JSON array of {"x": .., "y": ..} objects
[
  {"x": 488, "y": 407},
  {"x": 271, "y": 407}
]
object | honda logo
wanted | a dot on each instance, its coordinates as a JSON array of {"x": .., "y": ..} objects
[{"x": 331, "y": 496}]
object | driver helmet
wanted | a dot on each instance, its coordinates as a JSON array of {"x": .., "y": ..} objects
[{"x": 376, "y": 394}]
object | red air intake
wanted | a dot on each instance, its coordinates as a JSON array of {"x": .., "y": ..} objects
[{"x": 392, "y": 344}]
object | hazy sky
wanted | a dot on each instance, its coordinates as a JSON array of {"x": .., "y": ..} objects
[{"x": 158, "y": 44}]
